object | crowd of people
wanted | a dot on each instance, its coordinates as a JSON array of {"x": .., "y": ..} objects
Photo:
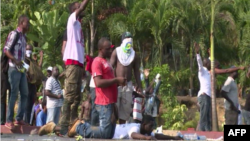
[
  {"x": 107, "y": 81},
  {"x": 111, "y": 94}
]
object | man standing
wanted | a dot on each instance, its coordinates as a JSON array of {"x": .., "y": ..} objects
[
  {"x": 124, "y": 59},
  {"x": 230, "y": 92},
  {"x": 31, "y": 86},
  {"x": 54, "y": 95},
  {"x": 204, "y": 94},
  {"x": 17, "y": 79},
  {"x": 106, "y": 97},
  {"x": 74, "y": 60}
]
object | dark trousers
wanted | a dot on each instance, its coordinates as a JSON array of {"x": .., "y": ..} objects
[
  {"x": 30, "y": 102},
  {"x": 205, "y": 112},
  {"x": 94, "y": 114},
  {"x": 5, "y": 85}
]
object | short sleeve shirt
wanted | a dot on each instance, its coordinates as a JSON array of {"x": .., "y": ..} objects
[
  {"x": 55, "y": 87},
  {"x": 232, "y": 92},
  {"x": 104, "y": 96},
  {"x": 124, "y": 131}
]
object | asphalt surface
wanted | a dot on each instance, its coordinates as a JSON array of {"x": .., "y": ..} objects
[{"x": 25, "y": 137}]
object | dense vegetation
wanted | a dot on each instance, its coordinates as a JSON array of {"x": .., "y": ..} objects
[{"x": 164, "y": 32}]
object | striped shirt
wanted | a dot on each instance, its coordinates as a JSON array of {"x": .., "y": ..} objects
[
  {"x": 20, "y": 47},
  {"x": 55, "y": 88}
]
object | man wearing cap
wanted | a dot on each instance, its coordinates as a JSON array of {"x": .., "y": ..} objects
[{"x": 124, "y": 59}]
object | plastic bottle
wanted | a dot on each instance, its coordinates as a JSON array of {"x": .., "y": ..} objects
[{"x": 202, "y": 138}]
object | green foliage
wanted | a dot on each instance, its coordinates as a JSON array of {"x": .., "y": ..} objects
[
  {"x": 175, "y": 113},
  {"x": 175, "y": 117},
  {"x": 192, "y": 123},
  {"x": 48, "y": 28}
]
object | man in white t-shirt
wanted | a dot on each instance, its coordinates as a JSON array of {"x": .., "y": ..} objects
[
  {"x": 73, "y": 58},
  {"x": 54, "y": 95}
]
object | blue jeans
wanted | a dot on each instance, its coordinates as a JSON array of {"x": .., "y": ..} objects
[
  {"x": 94, "y": 114},
  {"x": 106, "y": 129},
  {"x": 53, "y": 114},
  {"x": 18, "y": 82},
  {"x": 205, "y": 112},
  {"x": 30, "y": 102}
]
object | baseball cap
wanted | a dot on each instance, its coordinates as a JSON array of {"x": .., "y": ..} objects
[
  {"x": 49, "y": 68},
  {"x": 40, "y": 97},
  {"x": 126, "y": 35}
]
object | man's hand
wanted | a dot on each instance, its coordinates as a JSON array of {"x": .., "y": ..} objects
[
  {"x": 232, "y": 107},
  {"x": 18, "y": 63},
  {"x": 138, "y": 89},
  {"x": 150, "y": 138},
  {"x": 248, "y": 73},
  {"x": 197, "y": 48},
  {"x": 121, "y": 81},
  {"x": 146, "y": 72},
  {"x": 178, "y": 138},
  {"x": 41, "y": 53},
  {"x": 59, "y": 96}
]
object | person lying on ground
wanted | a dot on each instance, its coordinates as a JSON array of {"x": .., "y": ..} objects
[{"x": 143, "y": 131}]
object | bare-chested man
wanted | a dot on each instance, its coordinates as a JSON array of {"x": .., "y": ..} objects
[{"x": 125, "y": 60}]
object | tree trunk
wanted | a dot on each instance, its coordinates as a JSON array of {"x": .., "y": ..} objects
[
  {"x": 214, "y": 109},
  {"x": 92, "y": 30},
  {"x": 191, "y": 71},
  {"x": 161, "y": 53}
]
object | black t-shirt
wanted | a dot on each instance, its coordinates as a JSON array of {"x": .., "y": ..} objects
[{"x": 65, "y": 35}]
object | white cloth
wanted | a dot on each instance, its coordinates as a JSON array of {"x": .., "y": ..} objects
[
  {"x": 92, "y": 83},
  {"x": 124, "y": 58},
  {"x": 232, "y": 92},
  {"x": 204, "y": 78},
  {"x": 74, "y": 49},
  {"x": 55, "y": 87},
  {"x": 137, "y": 109},
  {"x": 124, "y": 131}
]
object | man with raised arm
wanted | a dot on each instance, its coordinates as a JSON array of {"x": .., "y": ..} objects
[{"x": 74, "y": 60}]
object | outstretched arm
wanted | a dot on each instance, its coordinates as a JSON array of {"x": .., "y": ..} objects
[
  {"x": 166, "y": 137},
  {"x": 41, "y": 59},
  {"x": 139, "y": 136},
  {"x": 82, "y": 7},
  {"x": 229, "y": 70}
]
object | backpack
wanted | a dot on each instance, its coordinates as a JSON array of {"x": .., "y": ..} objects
[
  {"x": 4, "y": 58},
  {"x": 35, "y": 73}
]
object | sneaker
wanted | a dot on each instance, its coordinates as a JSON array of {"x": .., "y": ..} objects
[
  {"x": 47, "y": 128},
  {"x": 21, "y": 122},
  {"x": 72, "y": 130},
  {"x": 9, "y": 125}
]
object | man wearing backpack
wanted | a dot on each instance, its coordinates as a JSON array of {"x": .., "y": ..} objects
[
  {"x": 15, "y": 49},
  {"x": 34, "y": 77}
]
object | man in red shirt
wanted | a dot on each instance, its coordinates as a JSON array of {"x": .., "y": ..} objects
[{"x": 106, "y": 96}]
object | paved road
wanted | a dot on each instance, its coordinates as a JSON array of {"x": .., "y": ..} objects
[{"x": 25, "y": 137}]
